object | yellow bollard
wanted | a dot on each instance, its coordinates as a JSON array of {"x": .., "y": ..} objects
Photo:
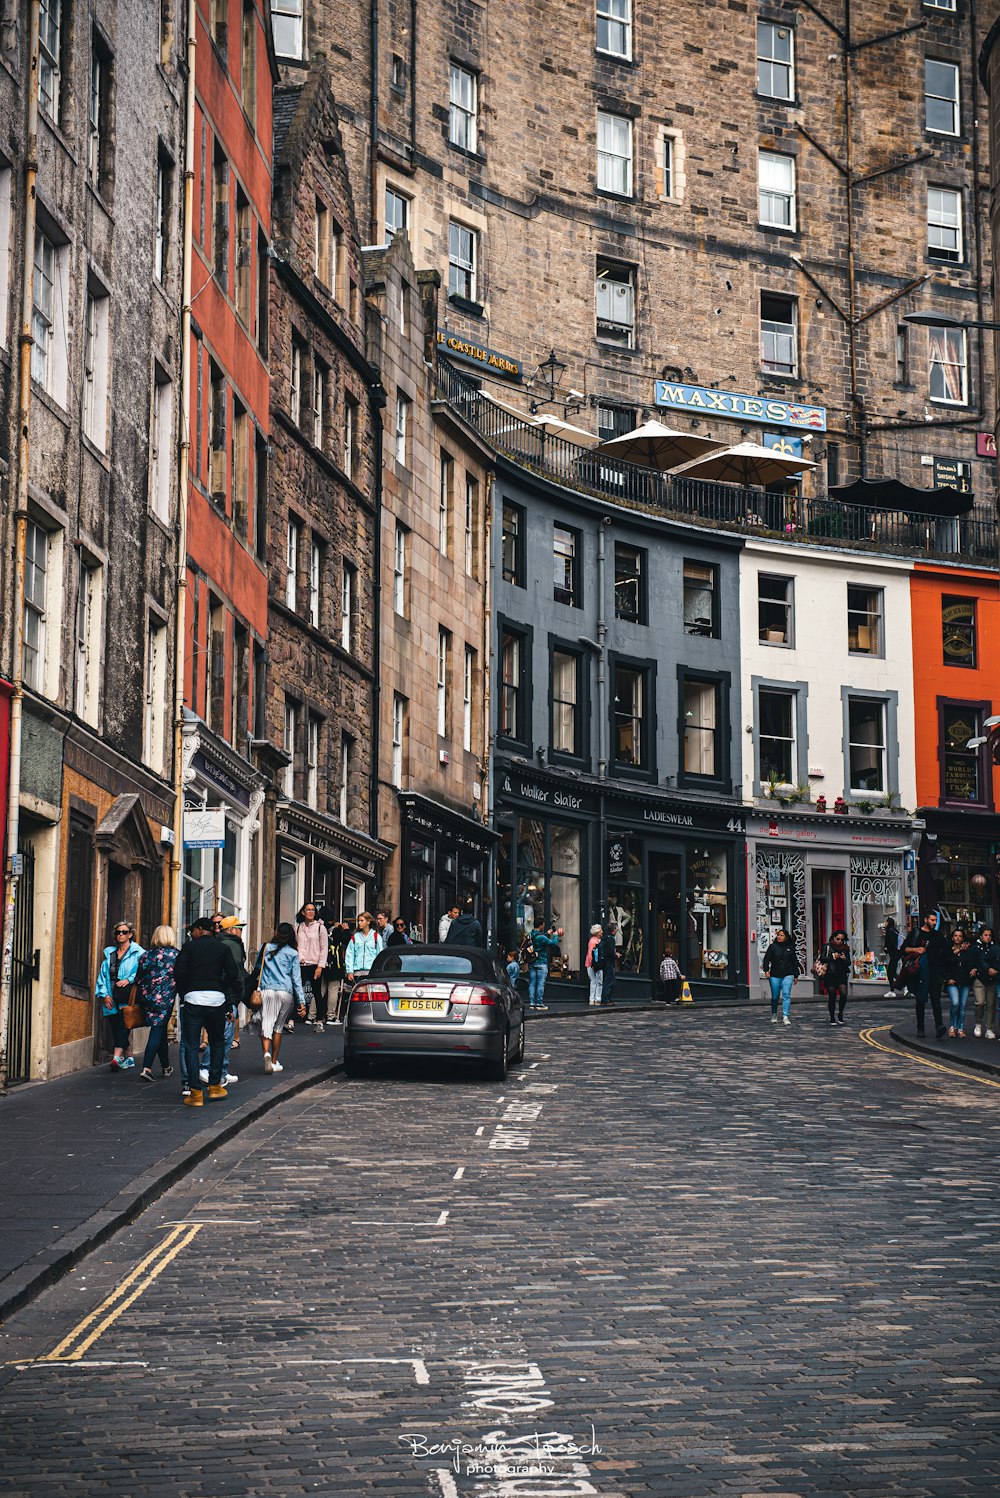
[{"x": 686, "y": 997}]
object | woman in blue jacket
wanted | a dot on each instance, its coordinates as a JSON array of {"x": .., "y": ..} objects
[
  {"x": 114, "y": 987},
  {"x": 280, "y": 988}
]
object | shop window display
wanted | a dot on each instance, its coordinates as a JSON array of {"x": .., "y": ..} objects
[
  {"x": 541, "y": 865},
  {"x": 875, "y": 894},
  {"x": 965, "y": 879},
  {"x": 707, "y": 900},
  {"x": 626, "y": 905}
]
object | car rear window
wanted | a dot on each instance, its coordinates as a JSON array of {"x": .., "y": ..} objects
[{"x": 431, "y": 964}]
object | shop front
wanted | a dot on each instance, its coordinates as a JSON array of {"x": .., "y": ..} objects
[
  {"x": 340, "y": 871},
  {"x": 960, "y": 865},
  {"x": 814, "y": 873},
  {"x": 666, "y": 871},
  {"x": 445, "y": 860},
  {"x": 223, "y": 795}
]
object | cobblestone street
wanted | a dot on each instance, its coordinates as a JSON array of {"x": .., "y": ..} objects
[{"x": 723, "y": 1259}]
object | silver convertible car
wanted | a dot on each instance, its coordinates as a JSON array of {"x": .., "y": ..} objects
[{"x": 440, "y": 1002}]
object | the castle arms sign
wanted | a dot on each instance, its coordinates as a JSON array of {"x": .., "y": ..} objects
[{"x": 700, "y": 401}]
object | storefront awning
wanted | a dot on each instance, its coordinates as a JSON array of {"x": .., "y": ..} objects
[
  {"x": 418, "y": 807},
  {"x": 893, "y": 494}
]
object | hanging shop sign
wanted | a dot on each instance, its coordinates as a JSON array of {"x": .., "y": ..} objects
[
  {"x": 986, "y": 446},
  {"x": 952, "y": 473},
  {"x": 702, "y": 401},
  {"x": 205, "y": 829},
  {"x": 476, "y": 353},
  {"x": 617, "y": 857}
]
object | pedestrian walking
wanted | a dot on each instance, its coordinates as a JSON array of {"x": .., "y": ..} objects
[
  {"x": 383, "y": 927},
  {"x": 210, "y": 984},
  {"x": 836, "y": 957},
  {"x": 670, "y": 978},
  {"x": 156, "y": 992},
  {"x": 314, "y": 952},
  {"x": 609, "y": 957},
  {"x": 592, "y": 962},
  {"x": 781, "y": 968},
  {"x": 451, "y": 914},
  {"x": 231, "y": 929},
  {"x": 465, "y": 931},
  {"x": 280, "y": 988},
  {"x": 362, "y": 949},
  {"x": 340, "y": 936},
  {"x": 114, "y": 987},
  {"x": 924, "y": 952},
  {"x": 892, "y": 938},
  {"x": 959, "y": 973},
  {"x": 540, "y": 950},
  {"x": 985, "y": 986},
  {"x": 398, "y": 936}
]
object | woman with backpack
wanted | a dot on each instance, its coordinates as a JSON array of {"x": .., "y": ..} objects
[
  {"x": 280, "y": 988},
  {"x": 595, "y": 972},
  {"x": 836, "y": 959}
]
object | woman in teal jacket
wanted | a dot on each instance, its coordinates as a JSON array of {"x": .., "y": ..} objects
[{"x": 114, "y": 985}]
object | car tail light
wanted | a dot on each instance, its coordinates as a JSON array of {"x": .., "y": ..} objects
[
  {"x": 467, "y": 993},
  {"x": 370, "y": 993}
]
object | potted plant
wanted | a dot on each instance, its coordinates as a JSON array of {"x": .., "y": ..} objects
[{"x": 866, "y": 807}]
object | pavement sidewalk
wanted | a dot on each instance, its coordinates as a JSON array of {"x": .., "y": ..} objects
[
  {"x": 79, "y": 1156},
  {"x": 980, "y": 1055}
]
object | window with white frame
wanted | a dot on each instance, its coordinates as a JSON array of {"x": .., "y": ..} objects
[
  {"x": 161, "y": 243},
  {"x": 398, "y": 738},
  {"x": 775, "y": 604},
  {"x": 775, "y": 60},
  {"x": 779, "y": 352},
  {"x": 940, "y": 4},
  {"x": 99, "y": 115},
  {"x": 49, "y": 57},
  {"x": 312, "y": 760},
  {"x": 319, "y": 403},
  {"x": 462, "y": 244},
  {"x": 321, "y": 242},
  {"x": 776, "y": 750},
  {"x": 397, "y": 213},
  {"x": 468, "y": 689},
  {"x": 866, "y": 744},
  {"x": 670, "y": 174},
  {"x": 944, "y": 224},
  {"x": 248, "y": 59},
  {"x": 445, "y": 483},
  {"x": 155, "y": 717},
  {"x": 286, "y": 27},
  {"x": 346, "y": 776},
  {"x": 315, "y": 580},
  {"x": 36, "y": 575},
  {"x": 350, "y": 436},
  {"x": 292, "y": 538},
  {"x": 399, "y": 571},
  {"x": 88, "y": 642},
  {"x": 614, "y": 27},
  {"x": 614, "y": 154},
  {"x": 295, "y": 390},
  {"x": 942, "y": 113},
  {"x": 289, "y": 744},
  {"x": 443, "y": 662},
  {"x": 347, "y": 605},
  {"x": 402, "y": 429},
  {"x": 463, "y": 107},
  {"x": 949, "y": 375},
  {"x": 776, "y": 190},
  {"x": 48, "y": 317},
  {"x": 95, "y": 367},
  {"x": 615, "y": 295},
  {"x": 471, "y": 506},
  {"x": 865, "y": 610}
]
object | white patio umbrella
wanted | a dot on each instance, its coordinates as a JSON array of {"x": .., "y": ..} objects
[
  {"x": 550, "y": 426},
  {"x": 747, "y": 463},
  {"x": 654, "y": 445}
]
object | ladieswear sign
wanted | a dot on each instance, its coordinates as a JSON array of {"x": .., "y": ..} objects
[{"x": 698, "y": 399}]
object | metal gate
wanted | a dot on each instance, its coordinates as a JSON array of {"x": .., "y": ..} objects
[{"x": 24, "y": 972}]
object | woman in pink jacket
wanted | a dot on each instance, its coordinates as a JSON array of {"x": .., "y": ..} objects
[
  {"x": 314, "y": 951},
  {"x": 595, "y": 971}
]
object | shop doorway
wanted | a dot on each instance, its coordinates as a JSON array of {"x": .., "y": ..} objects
[
  {"x": 668, "y": 916},
  {"x": 829, "y": 907}
]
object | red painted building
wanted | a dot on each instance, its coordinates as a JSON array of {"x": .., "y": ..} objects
[{"x": 226, "y": 614}]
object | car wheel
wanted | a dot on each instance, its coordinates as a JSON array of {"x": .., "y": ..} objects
[
  {"x": 518, "y": 1055},
  {"x": 497, "y": 1070},
  {"x": 352, "y": 1066}
]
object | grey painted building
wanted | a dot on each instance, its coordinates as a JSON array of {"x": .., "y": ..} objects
[{"x": 617, "y": 733}]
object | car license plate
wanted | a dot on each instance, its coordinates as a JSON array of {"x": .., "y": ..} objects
[{"x": 428, "y": 1006}]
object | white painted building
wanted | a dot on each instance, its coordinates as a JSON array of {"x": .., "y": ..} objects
[{"x": 827, "y": 667}]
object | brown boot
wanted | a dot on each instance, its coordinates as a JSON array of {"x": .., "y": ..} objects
[
  {"x": 195, "y": 1098},
  {"x": 215, "y": 1089}
]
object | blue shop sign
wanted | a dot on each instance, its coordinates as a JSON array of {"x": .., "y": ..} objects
[{"x": 698, "y": 400}]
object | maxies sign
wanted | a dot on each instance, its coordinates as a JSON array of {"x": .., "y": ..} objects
[
  {"x": 779, "y": 413},
  {"x": 476, "y": 353}
]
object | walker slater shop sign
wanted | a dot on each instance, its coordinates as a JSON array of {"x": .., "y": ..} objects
[
  {"x": 654, "y": 814},
  {"x": 475, "y": 353},
  {"x": 777, "y": 413}
]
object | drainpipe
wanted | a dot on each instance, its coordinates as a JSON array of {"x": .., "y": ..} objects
[
  {"x": 603, "y": 724},
  {"x": 183, "y": 465},
  {"x": 20, "y": 538},
  {"x": 373, "y": 128},
  {"x": 486, "y": 779},
  {"x": 376, "y": 402}
]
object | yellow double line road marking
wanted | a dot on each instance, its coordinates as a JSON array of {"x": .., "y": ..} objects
[
  {"x": 963, "y": 1074},
  {"x": 83, "y": 1336}
]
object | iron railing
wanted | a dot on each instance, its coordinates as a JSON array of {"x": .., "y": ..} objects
[{"x": 727, "y": 506}]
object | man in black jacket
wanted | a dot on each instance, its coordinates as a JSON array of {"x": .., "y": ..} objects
[
  {"x": 210, "y": 986},
  {"x": 924, "y": 953},
  {"x": 464, "y": 931}
]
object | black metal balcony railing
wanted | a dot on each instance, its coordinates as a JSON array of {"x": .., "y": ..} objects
[{"x": 728, "y": 506}]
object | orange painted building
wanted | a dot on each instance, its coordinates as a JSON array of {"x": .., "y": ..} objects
[
  {"x": 226, "y": 625},
  {"x": 955, "y": 614}
]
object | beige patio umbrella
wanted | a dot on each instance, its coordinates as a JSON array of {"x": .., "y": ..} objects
[
  {"x": 551, "y": 426},
  {"x": 747, "y": 463},
  {"x": 654, "y": 445}
]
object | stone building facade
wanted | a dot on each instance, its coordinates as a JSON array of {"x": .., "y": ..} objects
[
  {"x": 322, "y": 523},
  {"x": 434, "y": 615},
  {"x": 751, "y": 205},
  {"x": 96, "y": 757}
]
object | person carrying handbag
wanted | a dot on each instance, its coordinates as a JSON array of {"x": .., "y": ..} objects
[
  {"x": 835, "y": 959},
  {"x": 114, "y": 988}
]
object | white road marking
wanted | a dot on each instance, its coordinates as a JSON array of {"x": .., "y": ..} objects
[
  {"x": 480, "y": 1131},
  {"x": 441, "y": 1220},
  {"x": 460, "y": 1172},
  {"x": 448, "y": 1488},
  {"x": 382, "y": 1222},
  {"x": 211, "y": 1222},
  {"x": 420, "y": 1374}
]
